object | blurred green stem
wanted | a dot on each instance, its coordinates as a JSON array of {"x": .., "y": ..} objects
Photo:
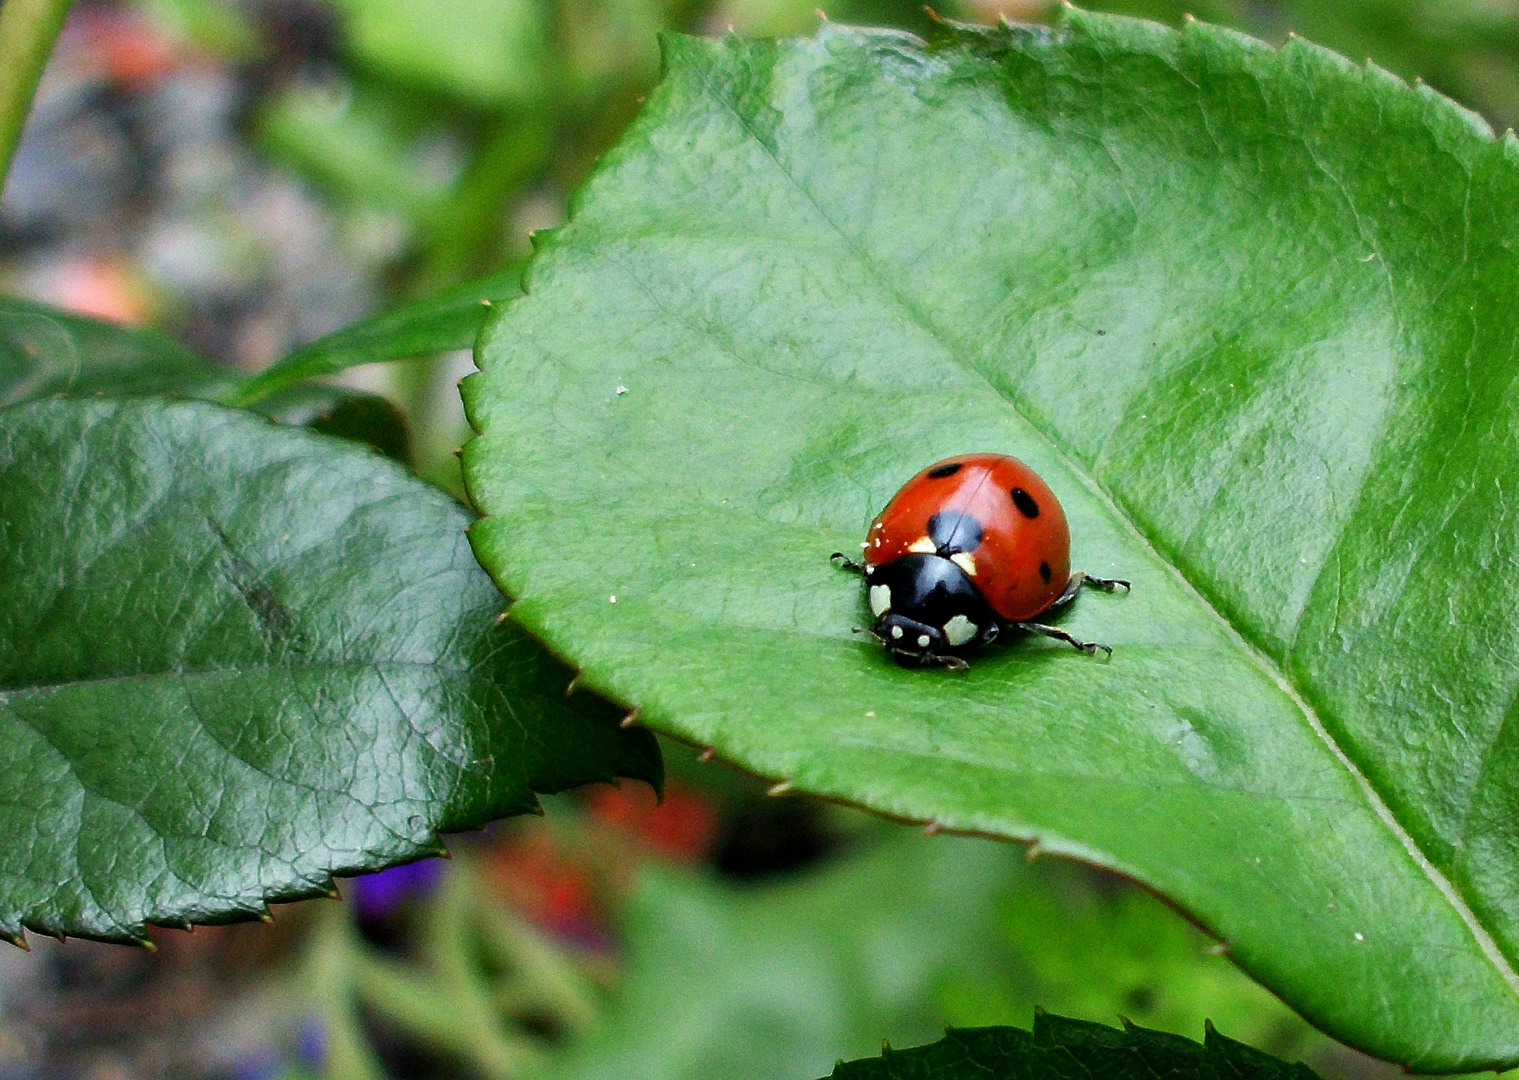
[
  {"x": 28, "y": 29},
  {"x": 466, "y": 237},
  {"x": 328, "y": 979}
]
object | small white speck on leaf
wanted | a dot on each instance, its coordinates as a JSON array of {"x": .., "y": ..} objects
[
  {"x": 612, "y": 599},
  {"x": 870, "y": 713},
  {"x": 1360, "y": 936},
  {"x": 621, "y": 390}
]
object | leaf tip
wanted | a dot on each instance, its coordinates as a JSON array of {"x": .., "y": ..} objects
[
  {"x": 630, "y": 719},
  {"x": 780, "y": 787}
]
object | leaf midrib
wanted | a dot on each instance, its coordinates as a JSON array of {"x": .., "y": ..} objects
[
  {"x": 7, "y": 693},
  {"x": 1484, "y": 939}
]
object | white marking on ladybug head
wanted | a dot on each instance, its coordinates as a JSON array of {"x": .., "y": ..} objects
[
  {"x": 880, "y": 600},
  {"x": 963, "y": 560},
  {"x": 959, "y": 630},
  {"x": 923, "y": 640},
  {"x": 923, "y": 545},
  {"x": 896, "y": 631}
]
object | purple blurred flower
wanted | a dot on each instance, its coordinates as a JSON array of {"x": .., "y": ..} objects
[
  {"x": 311, "y": 1044},
  {"x": 379, "y": 895}
]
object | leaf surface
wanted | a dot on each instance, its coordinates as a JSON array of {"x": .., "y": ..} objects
[
  {"x": 1079, "y": 1049},
  {"x": 46, "y": 352},
  {"x": 236, "y": 659},
  {"x": 1248, "y": 312}
]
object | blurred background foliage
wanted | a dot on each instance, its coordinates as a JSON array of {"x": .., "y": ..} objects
[{"x": 250, "y": 175}]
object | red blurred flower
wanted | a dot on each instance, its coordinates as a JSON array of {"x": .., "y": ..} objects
[{"x": 682, "y": 828}]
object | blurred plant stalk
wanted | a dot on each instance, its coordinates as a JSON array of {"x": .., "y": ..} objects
[{"x": 28, "y": 30}]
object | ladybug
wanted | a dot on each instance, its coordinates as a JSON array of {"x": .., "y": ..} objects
[{"x": 969, "y": 547}]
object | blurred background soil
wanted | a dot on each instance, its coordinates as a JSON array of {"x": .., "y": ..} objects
[{"x": 249, "y": 175}]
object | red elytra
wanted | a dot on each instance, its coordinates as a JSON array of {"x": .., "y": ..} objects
[{"x": 1021, "y": 560}]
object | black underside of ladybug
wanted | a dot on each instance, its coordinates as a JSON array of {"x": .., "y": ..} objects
[{"x": 927, "y": 607}]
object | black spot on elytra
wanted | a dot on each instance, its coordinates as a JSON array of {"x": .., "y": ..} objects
[
  {"x": 952, "y": 531},
  {"x": 939, "y": 472},
  {"x": 1044, "y": 572},
  {"x": 1025, "y": 503}
]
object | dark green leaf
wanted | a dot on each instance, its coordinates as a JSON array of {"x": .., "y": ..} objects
[
  {"x": 236, "y": 659},
  {"x": 1249, "y": 312},
  {"x": 448, "y": 320},
  {"x": 1062, "y": 1049},
  {"x": 348, "y": 414},
  {"x": 44, "y": 351}
]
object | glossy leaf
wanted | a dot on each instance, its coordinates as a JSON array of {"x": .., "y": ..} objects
[
  {"x": 1079, "y": 1049},
  {"x": 236, "y": 659},
  {"x": 1248, "y": 312},
  {"x": 448, "y": 320}
]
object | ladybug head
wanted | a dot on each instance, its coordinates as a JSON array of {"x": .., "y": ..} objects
[
  {"x": 909, "y": 642},
  {"x": 926, "y": 609}
]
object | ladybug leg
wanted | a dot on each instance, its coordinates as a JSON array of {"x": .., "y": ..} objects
[
  {"x": 1072, "y": 587},
  {"x": 1080, "y": 578},
  {"x": 1088, "y": 647},
  {"x": 844, "y": 562},
  {"x": 953, "y": 663},
  {"x": 1105, "y": 584}
]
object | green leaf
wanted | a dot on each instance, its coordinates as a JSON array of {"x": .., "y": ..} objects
[
  {"x": 1249, "y": 312},
  {"x": 44, "y": 351},
  {"x": 773, "y": 982},
  {"x": 1085, "y": 946},
  {"x": 1059, "y": 1047},
  {"x": 447, "y": 320},
  {"x": 485, "y": 52},
  {"x": 236, "y": 659}
]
